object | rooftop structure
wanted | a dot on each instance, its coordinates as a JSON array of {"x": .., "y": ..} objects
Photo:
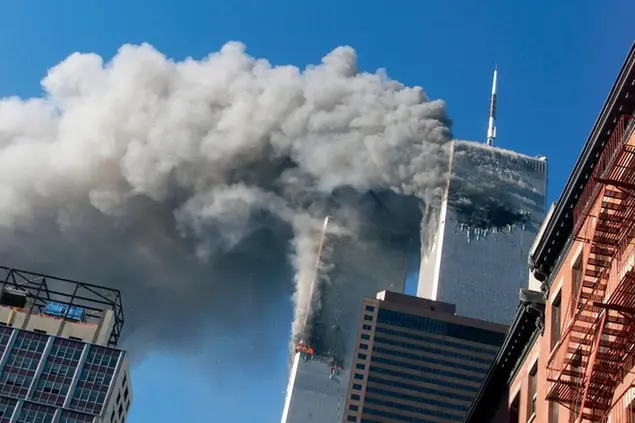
[
  {"x": 491, "y": 129},
  {"x": 67, "y": 308}
]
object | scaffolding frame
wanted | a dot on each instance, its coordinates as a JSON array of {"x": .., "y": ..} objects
[{"x": 42, "y": 289}]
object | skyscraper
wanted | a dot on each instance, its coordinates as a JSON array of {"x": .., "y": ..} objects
[
  {"x": 377, "y": 259},
  {"x": 492, "y": 209},
  {"x": 58, "y": 360},
  {"x": 475, "y": 256},
  {"x": 415, "y": 361}
]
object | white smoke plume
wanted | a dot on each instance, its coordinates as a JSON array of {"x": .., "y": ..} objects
[{"x": 183, "y": 183}]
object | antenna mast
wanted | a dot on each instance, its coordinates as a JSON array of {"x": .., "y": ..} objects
[{"x": 491, "y": 129}]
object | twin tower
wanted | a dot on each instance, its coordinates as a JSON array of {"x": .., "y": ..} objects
[{"x": 472, "y": 252}]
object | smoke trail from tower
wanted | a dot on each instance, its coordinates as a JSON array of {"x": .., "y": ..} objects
[{"x": 188, "y": 185}]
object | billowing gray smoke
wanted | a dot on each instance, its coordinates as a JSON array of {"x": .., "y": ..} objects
[{"x": 199, "y": 187}]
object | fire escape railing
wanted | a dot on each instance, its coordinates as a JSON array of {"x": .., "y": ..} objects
[
  {"x": 622, "y": 131},
  {"x": 587, "y": 363}
]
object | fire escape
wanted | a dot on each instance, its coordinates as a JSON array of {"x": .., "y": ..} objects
[{"x": 589, "y": 360}]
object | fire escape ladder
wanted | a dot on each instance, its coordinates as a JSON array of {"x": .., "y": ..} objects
[
  {"x": 587, "y": 379},
  {"x": 570, "y": 364},
  {"x": 586, "y": 365},
  {"x": 601, "y": 373}
]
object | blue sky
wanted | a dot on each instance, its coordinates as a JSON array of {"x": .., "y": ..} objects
[{"x": 557, "y": 61}]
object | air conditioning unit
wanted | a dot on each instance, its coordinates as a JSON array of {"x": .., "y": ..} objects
[{"x": 13, "y": 297}]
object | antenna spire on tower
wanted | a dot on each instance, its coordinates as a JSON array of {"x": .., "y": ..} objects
[{"x": 491, "y": 129}]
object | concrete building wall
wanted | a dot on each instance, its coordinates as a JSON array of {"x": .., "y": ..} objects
[
  {"x": 413, "y": 360},
  {"x": 96, "y": 333}
]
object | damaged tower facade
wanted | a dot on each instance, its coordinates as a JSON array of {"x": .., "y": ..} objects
[
  {"x": 59, "y": 362},
  {"x": 492, "y": 209},
  {"x": 376, "y": 259}
]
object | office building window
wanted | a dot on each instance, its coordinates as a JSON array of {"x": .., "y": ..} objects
[
  {"x": 31, "y": 412},
  {"x": 359, "y": 376},
  {"x": 362, "y": 356},
  {"x": 370, "y": 308},
  {"x": 366, "y": 327},
  {"x": 363, "y": 346},
  {"x": 351, "y": 419},
  {"x": 57, "y": 374},
  {"x": 437, "y": 342},
  {"x": 556, "y": 320},
  {"x": 368, "y": 317},
  {"x": 357, "y": 386},
  {"x": 365, "y": 336},
  {"x": 439, "y": 327},
  {"x": 75, "y": 417},
  {"x": 360, "y": 366},
  {"x": 533, "y": 390},
  {"x": 22, "y": 363},
  {"x": 6, "y": 409},
  {"x": 5, "y": 335},
  {"x": 355, "y": 397},
  {"x": 353, "y": 407},
  {"x": 95, "y": 378}
]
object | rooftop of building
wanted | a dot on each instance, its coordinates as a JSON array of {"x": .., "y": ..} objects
[
  {"x": 523, "y": 330},
  {"x": 497, "y": 149},
  {"x": 435, "y": 309},
  {"x": 558, "y": 230},
  {"x": 61, "y": 298},
  {"x": 416, "y": 302}
]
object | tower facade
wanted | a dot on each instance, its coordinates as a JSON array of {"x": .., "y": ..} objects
[
  {"x": 59, "y": 362},
  {"x": 492, "y": 209},
  {"x": 378, "y": 258}
]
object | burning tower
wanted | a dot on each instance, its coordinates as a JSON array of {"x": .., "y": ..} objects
[
  {"x": 492, "y": 209},
  {"x": 376, "y": 257}
]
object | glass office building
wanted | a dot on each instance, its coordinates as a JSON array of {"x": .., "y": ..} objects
[
  {"x": 416, "y": 361},
  {"x": 58, "y": 361}
]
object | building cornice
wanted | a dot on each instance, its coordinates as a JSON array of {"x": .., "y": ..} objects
[
  {"x": 528, "y": 323},
  {"x": 558, "y": 230}
]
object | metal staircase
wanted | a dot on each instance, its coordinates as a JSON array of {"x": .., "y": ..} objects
[{"x": 588, "y": 361}]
